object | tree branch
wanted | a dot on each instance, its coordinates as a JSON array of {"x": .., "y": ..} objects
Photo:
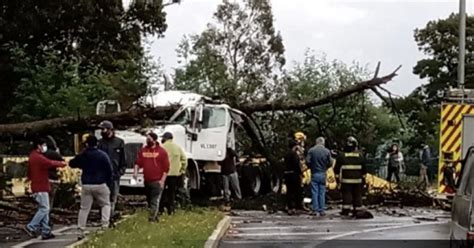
[{"x": 302, "y": 105}]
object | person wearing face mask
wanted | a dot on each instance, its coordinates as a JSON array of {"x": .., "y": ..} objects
[
  {"x": 114, "y": 148},
  {"x": 38, "y": 166},
  {"x": 154, "y": 161}
]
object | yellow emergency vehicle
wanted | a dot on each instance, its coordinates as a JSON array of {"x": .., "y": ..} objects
[{"x": 456, "y": 135}]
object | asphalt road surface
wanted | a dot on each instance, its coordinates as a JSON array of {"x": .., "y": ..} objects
[{"x": 398, "y": 228}]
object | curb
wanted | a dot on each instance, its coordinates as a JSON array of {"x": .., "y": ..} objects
[
  {"x": 84, "y": 240},
  {"x": 221, "y": 229}
]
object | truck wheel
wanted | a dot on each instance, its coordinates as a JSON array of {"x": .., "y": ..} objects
[{"x": 250, "y": 180}]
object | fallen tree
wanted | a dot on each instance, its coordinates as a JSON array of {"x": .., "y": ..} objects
[
  {"x": 78, "y": 123},
  {"x": 137, "y": 115}
]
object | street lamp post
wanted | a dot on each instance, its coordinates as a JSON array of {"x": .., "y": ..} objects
[{"x": 462, "y": 44}]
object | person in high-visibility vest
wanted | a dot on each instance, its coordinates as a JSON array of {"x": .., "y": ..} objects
[{"x": 350, "y": 172}]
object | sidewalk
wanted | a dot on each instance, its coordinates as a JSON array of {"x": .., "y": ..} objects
[{"x": 65, "y": 236}]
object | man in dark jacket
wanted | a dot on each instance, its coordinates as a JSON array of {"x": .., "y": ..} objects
[
  {"x": 53, "y": 154},
  {"x": 293, "y": 178},
  {"x": 96, "y": 174},
  {"x": 350, "y": 171},
  {"x": 114, "y": 148}
]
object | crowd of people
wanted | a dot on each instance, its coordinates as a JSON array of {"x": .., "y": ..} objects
[
  {"x": 102, "y": 163},
  {"x": 350, "y": 170},
  {"x": 164, "y": 164}
]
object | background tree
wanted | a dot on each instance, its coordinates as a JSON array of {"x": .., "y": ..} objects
[
  {"x": 238, "y": 58},
  {"x": 98, "y": 33},
  {"x": 439, "y": 40}
]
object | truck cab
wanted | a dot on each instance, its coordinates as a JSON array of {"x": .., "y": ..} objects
[{"x": 203, "y": 129}]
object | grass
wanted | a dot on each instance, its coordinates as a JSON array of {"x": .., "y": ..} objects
[{"x": 189, "y": 228}]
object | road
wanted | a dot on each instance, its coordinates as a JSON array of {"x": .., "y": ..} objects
[{"x": 398, "y": 228}]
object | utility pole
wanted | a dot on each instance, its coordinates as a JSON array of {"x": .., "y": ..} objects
[{"x": 462, "y": 45}]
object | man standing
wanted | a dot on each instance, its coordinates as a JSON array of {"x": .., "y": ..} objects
[
  {"x": 38, "y": 166},
  {"x": 114, "y": 148},
  {"x": 350, "y": 168},
  {"x": 230, "y": 177},
  {"x": 425, "y": 158},
  {"x": 293, "y": 178},
  {"x": 178, "y": 165},
  {"x": 155, "y": 163},
  {"x": 319, "y": 160},
  {"x": 96, "y": 174}
]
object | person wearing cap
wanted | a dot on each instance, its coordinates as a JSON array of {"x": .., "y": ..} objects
[
  {"x": 154, "y": 161},
  {"x": 96, "y": 174},
  {"x": 114, "y": 148},
  {"x": 178, "y": 165}
]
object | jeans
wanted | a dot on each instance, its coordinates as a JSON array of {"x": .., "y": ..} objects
[
  {"x": 231, "y": 180},
  {"x": 153, "y": 197},
  {"x": 99, "y": 193},
  {"x": 114, "y": 187},
  {"x": 318, "y": 191},
  {"x": 41, "y": 218}
]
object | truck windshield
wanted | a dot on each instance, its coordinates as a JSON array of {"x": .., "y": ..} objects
[
  {"x": 183, "y": 118},
  {"x": 213, "y": 117}
]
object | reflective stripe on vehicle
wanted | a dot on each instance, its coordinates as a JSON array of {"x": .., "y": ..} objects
[
  {"x": 351, "y": 180},
  {"x": 352, "y": 167},
  {"x": 352, "y": 154}
]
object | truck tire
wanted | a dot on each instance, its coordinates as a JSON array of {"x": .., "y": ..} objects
[{"x": 250, "y": 180}]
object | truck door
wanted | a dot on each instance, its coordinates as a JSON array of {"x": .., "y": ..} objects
[{"x": 212, "y": 128}]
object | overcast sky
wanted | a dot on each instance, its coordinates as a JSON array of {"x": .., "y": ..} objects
[{"x": 348, "y": 30}]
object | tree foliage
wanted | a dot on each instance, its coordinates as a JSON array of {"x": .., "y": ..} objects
[
  {"x": 439, "y": 41},
  {"x": 238, "y": 58},
  {"x": 101, "y": 34}
]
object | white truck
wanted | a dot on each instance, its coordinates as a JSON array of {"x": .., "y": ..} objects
[{"x": 204, "y": 130}]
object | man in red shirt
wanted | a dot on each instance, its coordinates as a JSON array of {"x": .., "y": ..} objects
[
  {"x": 154, "y": 161},
  {"x": 38, "y": 166}
]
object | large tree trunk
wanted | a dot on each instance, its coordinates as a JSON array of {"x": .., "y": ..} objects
[{"x": 77, "y": 123}]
